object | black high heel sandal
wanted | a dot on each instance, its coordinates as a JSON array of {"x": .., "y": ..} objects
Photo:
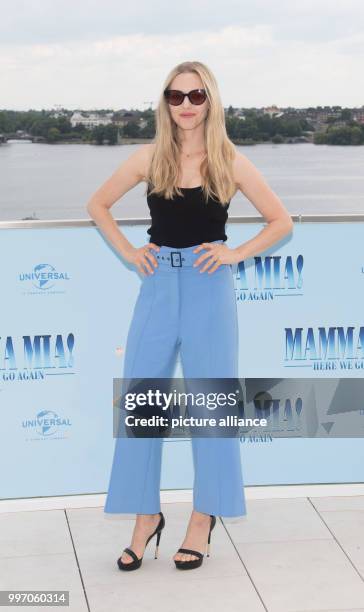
[
  {"x": 133, "y": 565},
  {"x": 195, "y": 562}
]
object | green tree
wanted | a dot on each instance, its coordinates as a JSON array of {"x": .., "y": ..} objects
[
  {"x": 53, "y": 134},
  {"x": 131, "y": 130},
  {"x": 345, "y": 114},
  {"x": 148, "y": 131},
  {"x": 344, "y": 136},
  {"x": 111, "y": 133},
  {"x": 98, "y": 134},
  {"x": 277, "y": 139}
]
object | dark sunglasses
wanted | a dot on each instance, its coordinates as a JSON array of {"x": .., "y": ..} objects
[{"x": 176, "y": 97}]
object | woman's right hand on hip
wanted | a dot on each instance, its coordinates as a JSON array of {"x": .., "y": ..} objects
[{"x": 142, "y": 256}]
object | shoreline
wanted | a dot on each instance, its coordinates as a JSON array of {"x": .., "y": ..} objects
[{"x": 129, "y": 141}]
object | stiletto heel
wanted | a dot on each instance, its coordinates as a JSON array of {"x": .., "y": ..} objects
[
  {"x": 196, "y": 562},
  {"x": 136, "y": 563},
  {"x": 208, "y": 543},
  {"x": 157, "y": 545}
]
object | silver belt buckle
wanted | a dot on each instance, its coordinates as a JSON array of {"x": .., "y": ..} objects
[{"x": 179, "y": 265}]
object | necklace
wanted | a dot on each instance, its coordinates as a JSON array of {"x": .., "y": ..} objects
[{"x": 191, "y": 154}]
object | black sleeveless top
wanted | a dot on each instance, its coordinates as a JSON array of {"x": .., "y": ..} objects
[{"x": 186, "y": 220}]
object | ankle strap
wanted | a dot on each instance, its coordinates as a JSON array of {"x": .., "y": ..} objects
[
  {"x": 191, "y": 552},
  {"x": 131, "y": 553}
]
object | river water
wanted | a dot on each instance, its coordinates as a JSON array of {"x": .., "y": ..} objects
[{"x": 56, "y": 181}]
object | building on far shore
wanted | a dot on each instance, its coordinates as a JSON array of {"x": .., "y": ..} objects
[{"x": 90, "y": 120}]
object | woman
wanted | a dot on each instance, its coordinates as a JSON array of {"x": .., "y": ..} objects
[{"x": 192, "y": 171}]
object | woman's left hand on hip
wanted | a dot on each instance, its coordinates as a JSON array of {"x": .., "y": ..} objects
[{"x": 216, "y": 254}]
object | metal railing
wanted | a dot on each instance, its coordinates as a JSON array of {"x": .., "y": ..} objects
[{"x": 319, "y": 218}]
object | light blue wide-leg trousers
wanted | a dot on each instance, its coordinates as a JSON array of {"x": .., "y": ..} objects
[{"x": 179, "y": 308}]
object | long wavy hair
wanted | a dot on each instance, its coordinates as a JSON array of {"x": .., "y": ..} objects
[{"x": 216, "y": 169}]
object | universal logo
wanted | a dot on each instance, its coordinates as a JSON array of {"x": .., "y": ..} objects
[
  {"x": 47, "y": 424},
  {"x": 270, "y": 277},
  {"x": 44, "y": 278}
]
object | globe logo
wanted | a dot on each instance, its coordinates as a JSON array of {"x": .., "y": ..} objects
[
  {"x": 47, "y": 422},
  {"x": 44, "y": 274}
]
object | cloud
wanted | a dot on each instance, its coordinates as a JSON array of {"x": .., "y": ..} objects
[
  {"x": 42, "y": 21},
  {"x": 90, "y": 55}
]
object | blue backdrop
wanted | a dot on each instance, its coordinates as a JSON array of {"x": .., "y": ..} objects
[{"x": 67, "y": 301}]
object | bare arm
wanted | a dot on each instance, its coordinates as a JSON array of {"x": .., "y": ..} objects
[
  {"x": 253, "y": 185},
  {"x": 131, "y": 172}
]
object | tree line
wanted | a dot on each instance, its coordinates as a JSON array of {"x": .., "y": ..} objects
[{"x": 253, "y": 128}]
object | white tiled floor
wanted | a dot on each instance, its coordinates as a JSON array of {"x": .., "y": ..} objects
[{"x": 287, "y": 555}]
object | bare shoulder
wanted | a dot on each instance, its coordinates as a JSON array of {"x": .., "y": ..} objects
[
  {"x": 243, "y": 168},
  {"x": 145, "y": 154},
  {"x": 253, "y": 185},
  {"x": 127, "y": 175},
  {"x": 139, "y": 159}
]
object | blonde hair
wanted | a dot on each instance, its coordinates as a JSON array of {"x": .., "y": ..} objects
[{"x": 216, "y": 168}]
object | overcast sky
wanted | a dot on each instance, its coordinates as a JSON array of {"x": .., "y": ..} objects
[{"x": 116, "y": 54}]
